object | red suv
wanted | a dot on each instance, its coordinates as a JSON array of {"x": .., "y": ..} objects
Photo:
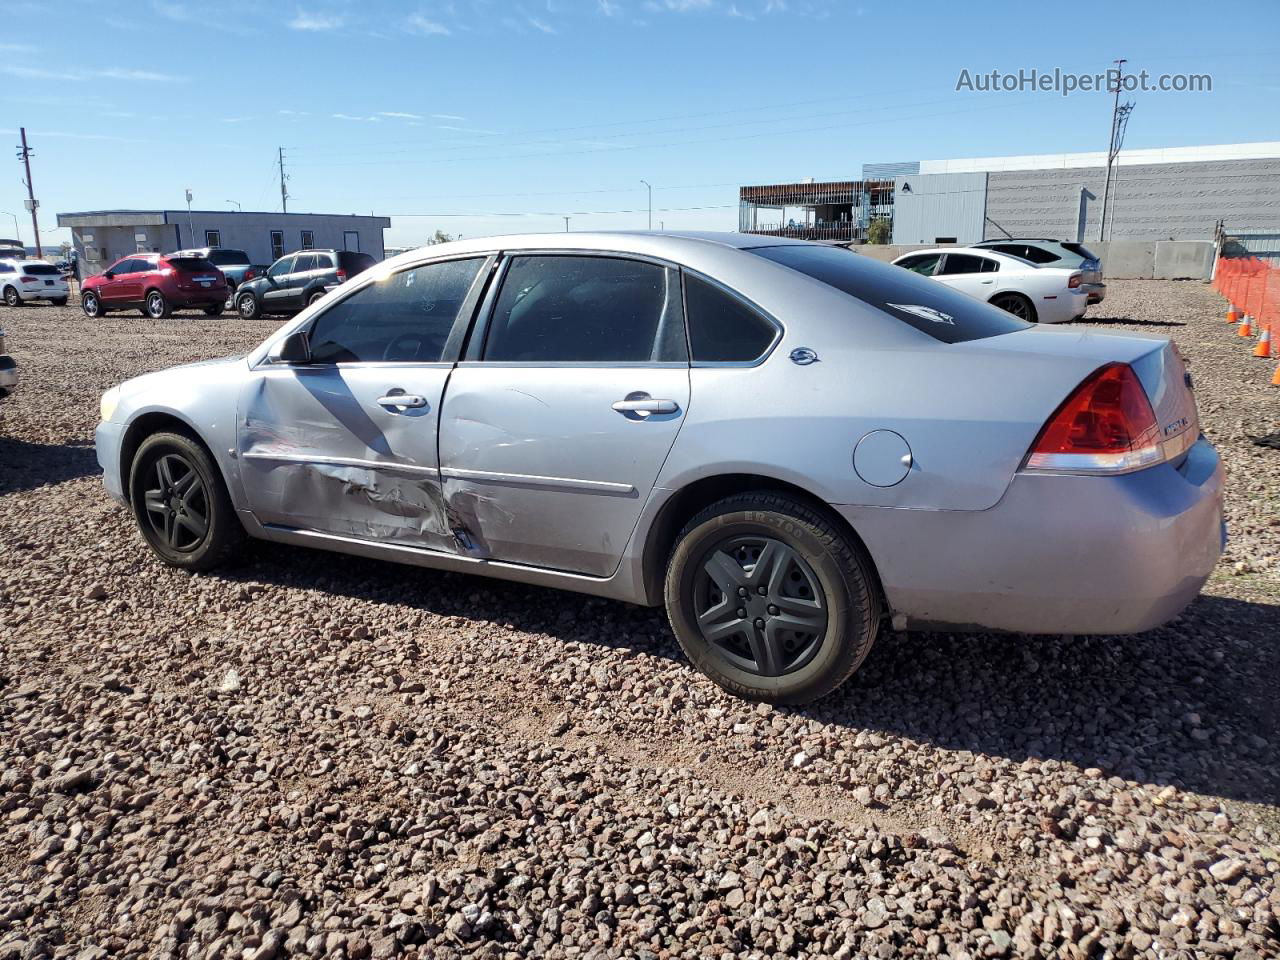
[{"x": 157, "y": 284}]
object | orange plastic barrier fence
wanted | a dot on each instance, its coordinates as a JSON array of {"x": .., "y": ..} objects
[{"x": 1252, "y": 286}]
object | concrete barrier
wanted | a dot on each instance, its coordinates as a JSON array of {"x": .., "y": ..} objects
[{"x": 1121, "y": 259}]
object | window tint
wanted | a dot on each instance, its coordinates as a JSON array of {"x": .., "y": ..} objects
[
  {"x": 125, "y": 266},
  {"x": 404, "y": 318},
  {"x": 924, "y": 264},
  {"x": 324, "y": 261},
  {"x": 1026, "y": 251},
  {"x": 723, "y": 329},
  {"x": 961, "y": 263},
  {"x": 1080, "y": 250},
  {"x": 354, "y": 263},
  {"x": 41, "y": 270},
  {"x": 586, "y": 309},
  {"x": 931, "y": 308},
  {"x": 304, "y": 263},
  {"x": 990, "y": 266},
  {"x": 281, "y": 267},
  {"x": 228, "y": 257}
]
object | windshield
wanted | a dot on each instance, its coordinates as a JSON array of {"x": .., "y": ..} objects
[
  {"x": 925, "y": 304},
  {"x": 228, "y": 257},
  {"x": 191, "y": 264}
]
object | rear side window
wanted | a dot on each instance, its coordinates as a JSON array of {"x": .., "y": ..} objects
[
  {"x": 961, "y": 263},
  {"x": 304, "y": 263},
  {"x": 403, "y": 318},
  {"x": 566, "y": 309},
  {"x": 722, "y": 328},
  {"x": 191, "y": 264},
  {"x": 932, "y": 308}
]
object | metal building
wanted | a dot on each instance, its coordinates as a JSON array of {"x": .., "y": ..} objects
[
  {"x": 101, "y": 237},
  {"x": 834, "y": 210}
]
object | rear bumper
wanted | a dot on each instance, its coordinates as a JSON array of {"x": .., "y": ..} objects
[
  {"x": 8, "y": 374},
  {"x": 1058, "y": 553},
  {"x": 1097, "y": 292},
  {"x": 106, "y": 441},
  {"x": 200, "y": 298},
  {"x": 1066, "y": 306},
  {"x": 59, "y": 291}
]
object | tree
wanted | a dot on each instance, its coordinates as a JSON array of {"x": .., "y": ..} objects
[
  {"x": 441, "y": 237},
  {"x": 879, "y": 231}
]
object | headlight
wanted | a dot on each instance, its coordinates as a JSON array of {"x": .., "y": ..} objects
[{"x": 107, "y": 407}]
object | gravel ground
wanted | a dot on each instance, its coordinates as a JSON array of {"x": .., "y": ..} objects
[{"x": 326, "y": 756}]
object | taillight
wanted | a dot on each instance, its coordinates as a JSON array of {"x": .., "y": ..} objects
[
  {"x": 1074, "y": 281},
  {"x": 342, "y": 275},
  {"x": 1105, "y": 426},
  {"x": 248, "y": 275},
  {"x": 26, "y": 279}
]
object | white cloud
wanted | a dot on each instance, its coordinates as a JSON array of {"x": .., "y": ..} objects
[
  {"x": 541, "y": 25},
  {"x": 678, "y": 6},
  {"x": 446, "y": 116},
  {"x": 315, "y": 22},
  {"x": 37, "y": 134},
  {"x": 397, "y": 115},
  {"x": 487, "y": 133},
  {"x": 609, "y": 8},
  {"x": 17, "y": 47},
  {"x": 345, "y": 116},
  {"x": 144, "y": 75},
  {"x": 235, "y": 119},
  {"x": 38, "y": 73},
  {"x": 424, "y": 26}
]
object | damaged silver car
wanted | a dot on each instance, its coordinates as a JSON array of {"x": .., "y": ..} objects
[{"x": 788, "y": 445}]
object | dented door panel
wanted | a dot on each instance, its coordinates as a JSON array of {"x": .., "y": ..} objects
[
  {"x": 539, "y": 468},
  {"x": 319, "y": 452}
]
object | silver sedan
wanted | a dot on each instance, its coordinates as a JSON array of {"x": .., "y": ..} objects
[{"x": 790, "y": 446}]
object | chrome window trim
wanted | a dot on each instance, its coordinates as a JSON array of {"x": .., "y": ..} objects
[{"x": 581, "y": 364}]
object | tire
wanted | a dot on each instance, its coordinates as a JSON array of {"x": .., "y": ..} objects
[
  {"x": 193, "y": 527},
  {"x": 1017, "y": 304},
  {"x": 11, "y": 297},
  {"x": 822, "y": 577},
  {"x": 158, "y": 306},
  {"x": 59, "y": 301},
  {"x": 247, "y": 306},
  {"x": 91, "y": 305},
  {"x": 314, "y": 297},
  {"x": 213, "y": 310}
]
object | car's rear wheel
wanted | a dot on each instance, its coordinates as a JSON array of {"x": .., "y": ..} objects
[
  {"x": 247, "y": 306},
  {"x": 319, "y": 294},
  {"x": 157, "y": 306},
  {"x": 770, "y": 599},
  {"x": 91, "y": 305},
  {"x": 181, "y": 504},
  {"x": 1017, "y": 304},
  {"x": 11, "y": 297},
  {"x": 213, "y": 310}
]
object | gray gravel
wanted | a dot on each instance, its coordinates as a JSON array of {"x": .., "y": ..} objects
[{"x": 316, "y": 755}]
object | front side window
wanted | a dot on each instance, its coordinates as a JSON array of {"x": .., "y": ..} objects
[
  {"x": 281, "y": 267},
  {"x": 126, "y": 266},
  {"x": 571, "y": 309},
  {"x": 308, "y": 239},
  {"x": 403, "y": 318},
  {"x": 277, "y": 244},
  {"x": 722, "y": 328},
  {"x": 924, "y": 264}
]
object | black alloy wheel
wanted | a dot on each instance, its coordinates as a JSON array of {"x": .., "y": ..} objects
[
  {"x": 177, "y": 503},
  {"x": 1017, "y": 305}
]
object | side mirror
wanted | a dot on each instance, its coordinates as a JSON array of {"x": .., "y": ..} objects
[
  {"x": 295, "y": 348},
  {"x": 109, "y": 275}
]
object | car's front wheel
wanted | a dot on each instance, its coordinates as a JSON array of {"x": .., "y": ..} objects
[
  {"x": 158, "y": 307},
  {"x": 181, "y": 504},
  {"x": 91, "y": 305},
  {"x": 11, "y": 297},
  {"x": 770, "y": 599},
  {"x": 247, "y": 306}
]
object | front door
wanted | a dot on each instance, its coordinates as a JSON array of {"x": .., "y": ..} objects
[
  {"x": 553, "y": 433},
  {"x": 275, "y": 296},
  {"x": 346, "y": 443}
]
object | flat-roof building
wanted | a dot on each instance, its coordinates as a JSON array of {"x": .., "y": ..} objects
[{"x": 100, "y": 237}]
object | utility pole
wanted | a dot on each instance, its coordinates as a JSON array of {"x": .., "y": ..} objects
[
  {"x": 566, "y": 224},
  {"x": 1119, "y": 121},
  {"x": 24, "y": 154},
  {"x": 284, "y": 194},
  {"x": 646, "y": 183}
]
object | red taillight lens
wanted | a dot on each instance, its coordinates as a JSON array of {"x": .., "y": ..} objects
[
  {"x": 249, "y": 275},
  {"x": 30, "y": 279},
  {"x": 1105, "y": 426},
  {"x": 1074, "y": 281},
  {"x": 342, "y": 276}
]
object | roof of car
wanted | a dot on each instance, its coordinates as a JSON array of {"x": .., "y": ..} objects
[
  {"x": 653, "y": 242},
  {"x": 994, "y": 254}
]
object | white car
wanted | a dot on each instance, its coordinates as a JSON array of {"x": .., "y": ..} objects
[
  {"x": 24, "y": 280},
  {"x": 1038, "y": 294}
]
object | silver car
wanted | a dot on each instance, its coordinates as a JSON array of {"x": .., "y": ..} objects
[{"x": 788, "y": 445}]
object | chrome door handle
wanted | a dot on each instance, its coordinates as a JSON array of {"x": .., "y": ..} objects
[
  {"x": 645, "y": 406},
  {"x": 402, "y": 400}
]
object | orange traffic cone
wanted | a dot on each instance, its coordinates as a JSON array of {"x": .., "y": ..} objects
[
  {"x": 1275, "y": 377},
  {"x": 1263, "y": 348},
  {"x": 1233, "y": 315},
  {"x": 1246, "y": 326}
]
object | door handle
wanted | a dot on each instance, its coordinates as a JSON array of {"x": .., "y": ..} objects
[
  {"x": 402, "y": 400},
  {"x": 646, "y": 406},
  {"x": 988, "y": 281}
]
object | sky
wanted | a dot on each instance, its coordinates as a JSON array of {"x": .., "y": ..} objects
[{"x": 479, "y": 117}]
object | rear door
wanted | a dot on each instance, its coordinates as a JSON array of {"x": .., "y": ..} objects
[
  {"x": 346, "y": 444},
  {"x": 968, "y": 273},
  {"x": 554, "y": 430}
]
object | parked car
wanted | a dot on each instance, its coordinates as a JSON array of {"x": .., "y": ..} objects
[
  {"x": 1059, "y": 253},
  {"x": 786, "y": 444},
  {"x": 22, "y": 281},
  {"x": 1031, "y": 293},
  {"x": 234, "y": 264},
  {"x": 157, "y": 284},
  {"x": 8, "y": 369},
  {"x": 297, "y": 280}
]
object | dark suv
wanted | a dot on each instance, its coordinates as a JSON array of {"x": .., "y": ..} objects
[{"x": 297, "y": 280}]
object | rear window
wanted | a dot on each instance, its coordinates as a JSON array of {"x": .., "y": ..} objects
[
  {"x": 228, "y": 257},
  {"x": 927, "y": 305},
  {"x": 42, "y": 270},
  {"x": 1080, "y": 250},
  {"x": 353, "y": 262},
  {"x": 191, "y": 264}
]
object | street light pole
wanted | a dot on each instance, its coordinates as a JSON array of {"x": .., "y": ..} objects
[
  {"x": 647, "y": 184},
  {"x": 236, "y": 202},
  {"x": 566, "y": 224},
  {"x": 17, "y": 233},
  {"x": 191, "y": 229}
]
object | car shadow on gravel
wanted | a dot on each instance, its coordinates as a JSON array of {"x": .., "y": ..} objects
[
  {"x": 26, "y": 466},
  {"x": 1125, "y": 321},
  {"x": 1192, "y": 704}
]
